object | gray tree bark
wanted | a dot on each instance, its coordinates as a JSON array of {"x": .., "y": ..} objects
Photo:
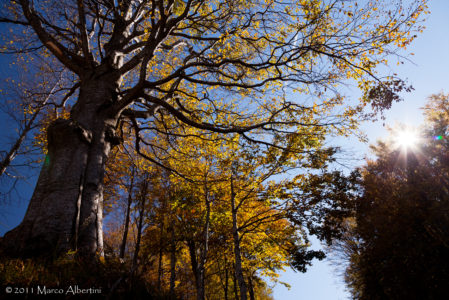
[{"x": 65, "y": 211}]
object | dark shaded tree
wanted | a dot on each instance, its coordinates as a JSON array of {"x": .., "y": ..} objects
[{"x": 398, "y": 246}]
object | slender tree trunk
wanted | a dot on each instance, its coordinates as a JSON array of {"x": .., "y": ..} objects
[
  {"x": 128, "y": 211},
  {"x": 66, "y": 209},
  {"x": 237, "y": 254},
  {"x": 236, "y": 291},
  {"x": 161, "y": 246},
  {"x": 195, "y": 268},
  {"x": 226, "y": 286},
  {"x": 199, "y": 266},
  {"x": 29, "y": 125},
  {"x": 143, "y": 194},
  {"x": 251, "y": 288},
  {"x": 205, "y": 245},
  {"x": 225, "y": 282},
  {"x": 172, "y": 263},
  {"x": 9, "y": 157}
]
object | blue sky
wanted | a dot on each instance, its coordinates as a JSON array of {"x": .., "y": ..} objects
[{"x": 428, "y": 74}]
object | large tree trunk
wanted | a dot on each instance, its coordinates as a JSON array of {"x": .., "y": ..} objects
[{"x": 66, "y": 209}]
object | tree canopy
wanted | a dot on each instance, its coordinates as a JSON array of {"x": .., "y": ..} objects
[
  {"x": 222, "y": 66},
  {"x": 181, "y": 117}
]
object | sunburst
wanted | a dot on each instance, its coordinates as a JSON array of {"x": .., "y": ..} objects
[{"x": 407, "y": 139}]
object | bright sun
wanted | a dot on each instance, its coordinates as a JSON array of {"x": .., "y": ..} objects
[{"x": 407, "y": 139}]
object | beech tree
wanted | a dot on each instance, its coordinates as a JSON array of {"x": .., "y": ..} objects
[
  {"x": 226, "y": 221},
  {"x": 219, "y": 66}
]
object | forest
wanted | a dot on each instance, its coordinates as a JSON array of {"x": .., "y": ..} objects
[{"x": 182, "y": 149}]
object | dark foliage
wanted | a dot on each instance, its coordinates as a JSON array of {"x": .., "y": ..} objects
[
  {"x": 402, "y": 219},
  {"x": 302, "y": 258}
]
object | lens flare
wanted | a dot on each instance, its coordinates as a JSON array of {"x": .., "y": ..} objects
[{"x": 407, "y": 139}]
